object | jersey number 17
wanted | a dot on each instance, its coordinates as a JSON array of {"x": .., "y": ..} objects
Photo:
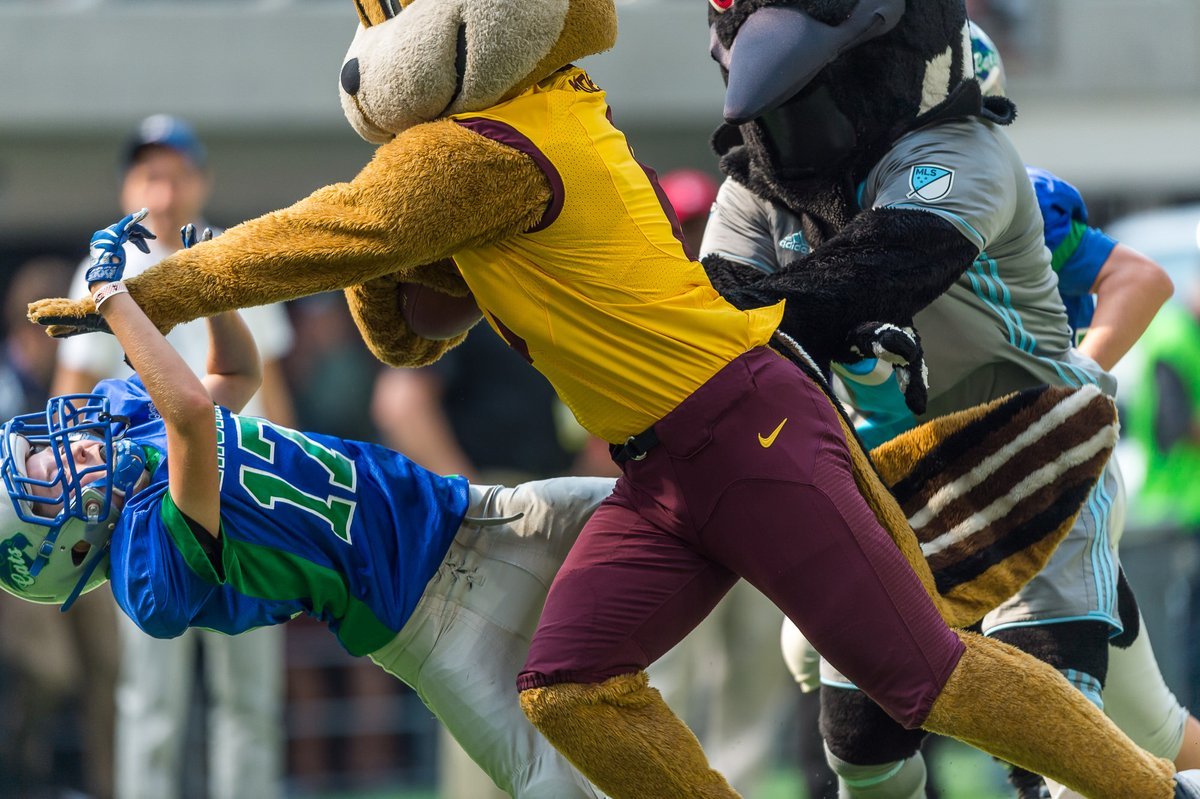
[{"x": 269, "y": 488}]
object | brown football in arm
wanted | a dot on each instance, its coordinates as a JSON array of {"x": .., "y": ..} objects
[{"x": 435, "y": 314}]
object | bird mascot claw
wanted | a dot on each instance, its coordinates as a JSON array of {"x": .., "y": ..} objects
[{"x": 477, "y": 110}]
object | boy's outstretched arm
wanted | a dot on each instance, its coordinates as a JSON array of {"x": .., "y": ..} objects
[{"x": 181, "y": 398}]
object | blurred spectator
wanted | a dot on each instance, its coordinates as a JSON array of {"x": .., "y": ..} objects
[
  {"x": 28, "y": 364},
  {"x": 163, "y": 168},
  {"x": 330, "y": 370},
  {"x": 343, "y": 715},
  {"x": 726, "y": 680},
  {"x": 1164, "y": 420},
  {"x": 479, "y": 412},
  {"x": 691, "y": 194},
  {"x": 52, "y": 656}
]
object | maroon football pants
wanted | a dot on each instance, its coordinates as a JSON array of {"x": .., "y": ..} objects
[{"x": 751, "y": 479}]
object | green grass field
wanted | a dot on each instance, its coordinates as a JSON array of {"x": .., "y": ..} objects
[{"x": 964, "y": 773}]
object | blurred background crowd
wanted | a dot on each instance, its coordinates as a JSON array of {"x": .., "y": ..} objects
[{"x": 214, "y": 111}]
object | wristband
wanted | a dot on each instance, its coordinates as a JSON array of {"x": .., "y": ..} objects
[{"x": 108, "y": 290}]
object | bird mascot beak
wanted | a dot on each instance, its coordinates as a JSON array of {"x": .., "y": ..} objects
[{"x": 779, "y": 49}]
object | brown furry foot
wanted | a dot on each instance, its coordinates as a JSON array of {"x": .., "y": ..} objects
[
  {"x": 1021, "y": 710},
  {"x": 622, "y": 736}
]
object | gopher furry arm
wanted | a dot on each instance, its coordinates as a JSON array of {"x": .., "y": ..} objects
[
  {"x": 375, "y": 306},
  {"x": 884, "y": 266},
  {"x": 435, "y": 189}
]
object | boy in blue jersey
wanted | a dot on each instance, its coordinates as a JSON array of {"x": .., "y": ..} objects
[
  {"x": 200, "y": 517},
  {"x": 1111, "y": 291}
]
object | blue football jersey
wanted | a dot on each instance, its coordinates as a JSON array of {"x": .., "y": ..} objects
[
  {"x": 1078, "y": 251},
  {"x": 346, "y": 531}
]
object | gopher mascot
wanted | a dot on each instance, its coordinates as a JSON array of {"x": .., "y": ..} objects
[{"x": 501, "y": 176}]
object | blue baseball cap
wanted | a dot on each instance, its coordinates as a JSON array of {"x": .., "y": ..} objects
[{"x": 163, "y": 130}]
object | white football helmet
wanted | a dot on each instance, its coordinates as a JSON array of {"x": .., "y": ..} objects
[
  {"x": 53, "y": 560},
  {"x": 989, "y": 69}
]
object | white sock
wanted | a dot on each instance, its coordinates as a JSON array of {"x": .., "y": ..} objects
[{"x": 896, "y": 780}]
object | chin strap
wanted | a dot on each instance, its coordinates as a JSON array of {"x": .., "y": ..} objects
[
  {"x": 44, "y": 551},
  {"x": 99, "y": 554},
  {"x": 129, "y": 463}
]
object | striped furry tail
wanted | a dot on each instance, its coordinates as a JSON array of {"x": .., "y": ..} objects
[{"x": 992, "y": 490}]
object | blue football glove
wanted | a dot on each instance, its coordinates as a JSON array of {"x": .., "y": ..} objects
[
  {"x": 187, "y": 234},
  {"x": 108, "y": 254}
]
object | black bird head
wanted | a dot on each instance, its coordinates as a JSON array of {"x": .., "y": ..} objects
[{"x": 819, "y": 88}]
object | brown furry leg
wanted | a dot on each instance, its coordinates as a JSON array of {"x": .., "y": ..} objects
[
  {"x": 622, "y": 736},
  {"x": 1019, "y": 709}
]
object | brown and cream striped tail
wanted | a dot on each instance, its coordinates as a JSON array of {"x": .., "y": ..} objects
[{"x": 992, "y": 490}]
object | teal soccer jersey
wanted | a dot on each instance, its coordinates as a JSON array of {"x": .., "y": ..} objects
[{"x": 345, "y": 531}]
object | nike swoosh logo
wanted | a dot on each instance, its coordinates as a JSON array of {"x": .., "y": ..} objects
[{"x": 769, "y": 440}]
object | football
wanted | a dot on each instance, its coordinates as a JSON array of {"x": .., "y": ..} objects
[{"x": 436, "y": 315}]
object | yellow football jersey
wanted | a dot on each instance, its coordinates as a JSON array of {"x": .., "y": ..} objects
[{"x": 600, "y": 295}]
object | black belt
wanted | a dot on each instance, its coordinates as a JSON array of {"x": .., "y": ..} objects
[{"x": 635, "y": 447}]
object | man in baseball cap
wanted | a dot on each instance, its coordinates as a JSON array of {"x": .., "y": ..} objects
[
  {"x": 163, "y": 169},
  {"x": 163, "y": 130}
]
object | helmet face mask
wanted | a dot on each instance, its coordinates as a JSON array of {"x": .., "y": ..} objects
[{"x": 54, "y": 558}]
